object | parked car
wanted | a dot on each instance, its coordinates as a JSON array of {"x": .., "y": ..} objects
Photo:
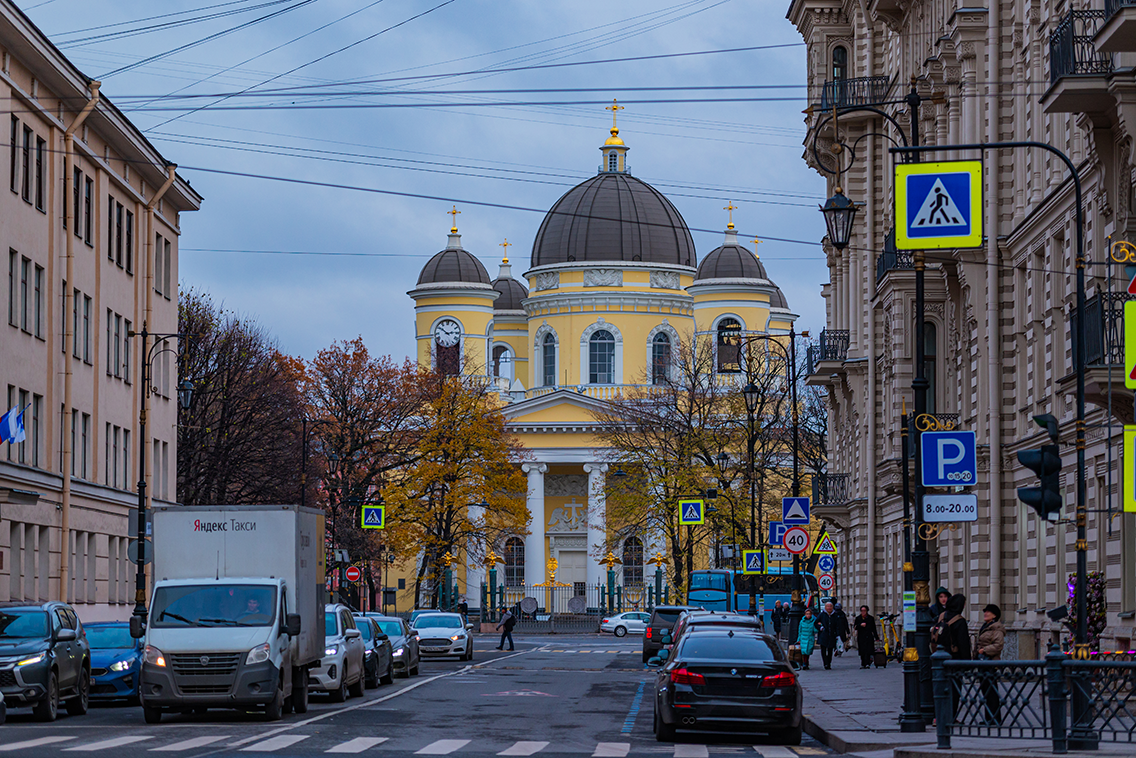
[
  {"x": 340, "y": 672},
  {"x": 116, "y": 660},
  {"x": 727, "y": 680},
  {"x": 622, "y": 623},
  {"x": 378, "y": 658},
  {"x": 3, "y": 709},
  {"x": 444, "y": 634},
  {"x": 44, "y": 659},
  {"x": 663, "y": 619},
  {"x": 404, "y": 643},
  {"x": 701, "y": 619}
]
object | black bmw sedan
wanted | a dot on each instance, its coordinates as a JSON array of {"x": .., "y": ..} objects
[{"x": 727, "y": 680}]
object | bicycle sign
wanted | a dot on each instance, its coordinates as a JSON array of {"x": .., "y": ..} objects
[
  {"x": 796, "y": 540},
  {"x": 826, "y": 582},
  {"x": 954, "y": 507}
]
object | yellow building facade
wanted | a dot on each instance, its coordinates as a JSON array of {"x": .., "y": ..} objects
[{"x": 613, "y": 287}]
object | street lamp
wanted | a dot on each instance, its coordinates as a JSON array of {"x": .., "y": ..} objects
[{"x": 839, "y": 213}]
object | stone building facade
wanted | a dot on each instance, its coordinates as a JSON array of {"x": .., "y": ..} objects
[{"x": 999, "y": 318}]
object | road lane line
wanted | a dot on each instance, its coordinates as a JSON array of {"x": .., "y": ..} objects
[
  {"x": 524, "y": 748},
  {"x": 275, "y": 743},
  {"x": 107, "y": 744},
  {"x": 612, "y": 750},
  {"x": 774, "y": 751},
  {"x": 37, "y": 742},
  {"x": 357, "y": 745},
  {"x": 691, "y": 751},
  {"x": 188, "y": 744},
  {"x": 442, "y": 747}
]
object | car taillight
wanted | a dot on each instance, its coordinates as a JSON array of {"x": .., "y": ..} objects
[
  {"x": 648, "y": 632},
  {"x": 682, "y": 676},
  {"x": 784, "y": 679},
  {"x": 605, "y": 621}
]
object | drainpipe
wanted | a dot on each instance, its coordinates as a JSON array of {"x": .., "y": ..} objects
[
  {"x": 69, "y": 339},
  {"x": 870, "y": 269},
  {"x": 994, "y": 306}
]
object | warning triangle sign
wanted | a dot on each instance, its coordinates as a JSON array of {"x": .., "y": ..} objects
[
  {"x": 825, "y": 545},
  {"x": 795, "y": 512},
  {"x": 1132, "y": 286},
  {"x": 939, "y": 209},
  {"x": 1133, "y": 374}
]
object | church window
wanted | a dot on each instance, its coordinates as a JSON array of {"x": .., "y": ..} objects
[
  {"x": 729, "y": 346},
  {"x": 633, "y": 562},
  {"x": 839, "y": 63},
  {"x": 514, "y": 562},
  {"x": 613, "y": 161},
  {"x": 548, "y": 359},
  {"x": 502, "y": 363},
  {"x": 601, "y": 358},
  {"x": 660, "y": 358}
]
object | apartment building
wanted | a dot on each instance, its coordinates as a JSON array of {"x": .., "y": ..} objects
[
  {"x": 999, "y": 318},
  {"x": 90, "y": 223}
]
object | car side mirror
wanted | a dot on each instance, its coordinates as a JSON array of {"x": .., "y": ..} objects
[
  {"x": 666, "y": 638},
  {"x": 137, "y": 628},
  {"x": 469, "y": 627},
  {"x": 382, "y": 637},
  {"x": 66, "y": 635},
  {"x": 352, "y": 634},
  {"x": 663, "y": 655},
  {"x": 413, "y": 632},
  {"x": 292, "y": 625}
]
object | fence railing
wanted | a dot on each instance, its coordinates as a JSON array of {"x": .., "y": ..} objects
[
  {"x": 1104, "y": 329},
  {"x": 831, "y": 489},
  {"x": 865, "y": 90},
  {"x": 1071, "y": 48},
  {"x": 894, "y": 260},
  {"x": 1114, "y": 6}
]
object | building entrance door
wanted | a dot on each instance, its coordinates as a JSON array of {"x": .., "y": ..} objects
[{"x": 573, "y": 571}]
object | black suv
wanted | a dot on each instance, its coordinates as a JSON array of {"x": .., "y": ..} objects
[
  {"x": 44, "y": 659},
  {"x": 663, "y": 619}
]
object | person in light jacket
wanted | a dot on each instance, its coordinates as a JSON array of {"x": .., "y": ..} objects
[
  {"x": 988, "y": 646},
  {"x": 806, "y": 636}
]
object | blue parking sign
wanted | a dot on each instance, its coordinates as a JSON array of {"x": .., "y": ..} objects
[
  {"x": 777, "y": 533},
  {"x": 949, "y": 459}
]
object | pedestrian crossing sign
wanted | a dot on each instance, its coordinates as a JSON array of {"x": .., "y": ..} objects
[
  {"x": 753, "y": 562},
  {"x": 938, "y": 205},
  {"x": 1129, "y": 459},
  {"x": 374, "y": 517},
  {"x": 825, "y": 546},
  {"x": 691, "y": 512},
  {"x": 1130, "y": 343}
]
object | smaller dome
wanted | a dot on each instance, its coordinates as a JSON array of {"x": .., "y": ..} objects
[
  {"x": 777, "y": 299},
  {"x": 730, "y": 261},
  {"x": 453, "y": 265},
  {"x": 512, "y": 291}
]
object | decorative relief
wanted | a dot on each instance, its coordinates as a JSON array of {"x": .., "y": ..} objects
[
  {"x": 566, "y": 485},
  {"x": 549, "y": 280},
  {"x": 570, "y": 517},
  {"x": 603, "y": 277},
  {"x": 666, "y": 280},
  {"x": 568, "y": 543}
]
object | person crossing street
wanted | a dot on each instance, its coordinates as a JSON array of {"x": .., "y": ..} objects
[{"x": 508, "y": 621}]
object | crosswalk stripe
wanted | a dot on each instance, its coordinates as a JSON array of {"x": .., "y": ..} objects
[
  {"x": 107, "y": 744},
  {"x": 524, "y": 748},
  {"x": 612, "y": 750},
  {"x": 274, "y": 743},
  {"x": 774, "y": 751},
  {"x": 37, "y": 742},
  {"x": 442, "y": 747},
  {"x": 188, "y": 744},
  {"x": 691, "y": 751},
  {"x": 357, "y": 745}
]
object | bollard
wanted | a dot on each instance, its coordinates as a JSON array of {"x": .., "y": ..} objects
[
  {"x": 944, "y": 709},
  {"x": 1058, "y": 698},
  {"x": 619, "y": 598}
]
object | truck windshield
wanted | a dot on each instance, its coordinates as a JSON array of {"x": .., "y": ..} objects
[{"x": 213, "y": 605}]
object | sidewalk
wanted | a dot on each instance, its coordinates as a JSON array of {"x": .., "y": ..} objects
[{"x": 857, "y": 711}]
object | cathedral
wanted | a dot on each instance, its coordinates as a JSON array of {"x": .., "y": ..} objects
[{"x": 613, "y": 285}]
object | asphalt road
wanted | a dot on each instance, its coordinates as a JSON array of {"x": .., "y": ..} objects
[{"x": 565, "y": 695}]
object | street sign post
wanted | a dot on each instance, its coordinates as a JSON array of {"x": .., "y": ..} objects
[
  {"x": 825, "y": 545},
  {"x": 826, "y": 582},
  {"x": 949, "y": 459},
  {"x": 909, "y": 611},
  {"x": 753, "y": 562},
  {"x": 1130, "y": 343},
  {"x": 795, "y": 510},
  {"x": 374, "y": 517},
  {"x": 796, "y": 540},
  {"x": 776, "y": 533},
  {"x": 953, "y": 507},
  {"x": 938, "y": 205},
  {"x": 826, "y": 563},
  {"x": 779, "y": 555},
  {"x": 1129, "y": 469},
  {"x": 691, "y": 512},
  {"x": 353, "y": 574},
  {"x": 147, "y": 549}
]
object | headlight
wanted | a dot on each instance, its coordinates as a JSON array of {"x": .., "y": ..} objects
[
  {"x": 121, "y": 665},
  {"x": 398, "y": 652},
  {"x": 258, "y": 654},
  {"x": 154, "y": 656},
  {"x": 32, "y": 659},
  {"x": 331, "y": 650},
  {"x": 458, "y": 636}
]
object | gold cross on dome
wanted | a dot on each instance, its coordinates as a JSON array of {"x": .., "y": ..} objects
[
  {"x": 506, "y": 244},
  {"x": 730, "y": 208},
  {"x": 454, "y": 213},
  {"x": 615, "y": 107},
  {"x": 756, "y": 242}
]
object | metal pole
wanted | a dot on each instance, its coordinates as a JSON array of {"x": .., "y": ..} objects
[
  {"x": 303, "y": 462},
  {"x": 797, "y": 611},
  {"x": 140, "y": 576},
  {"x": 911, "y": 719}
]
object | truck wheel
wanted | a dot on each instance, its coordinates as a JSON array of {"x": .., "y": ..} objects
[
  {"x": 48, "y": 708},
  {"x": 275, "y": 709},
  {"x": 77, "y": 706},
  {"x": 152, "y": 715},
  {"x": 300, "y": 690},
  {"x": 339, "y": 694}
]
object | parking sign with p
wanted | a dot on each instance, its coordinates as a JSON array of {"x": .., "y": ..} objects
[{"x": 949, "y": 459}]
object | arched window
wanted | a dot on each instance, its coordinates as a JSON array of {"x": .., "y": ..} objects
[
  {"x": 633, "y": 562},
  {"x": 660, "y": 357},
  {"x": 514, "y": 562},
  {"x": 502, "y": 363},
  {"x": 601, "y": 358},
  {"x": 613, "y": 161},
  {"x": 839, "y": 63},
  {"x": 729, "y": 346},
  {"x": 548, "y": 359},
  {"x": 930, "y": 361}
]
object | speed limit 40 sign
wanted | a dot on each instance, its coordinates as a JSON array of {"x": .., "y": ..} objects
[
  {"x": 796, "y": 540},
  {"x": 826, "y": 581}
]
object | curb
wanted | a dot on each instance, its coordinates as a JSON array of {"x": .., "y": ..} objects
[{"x": 854, "y": 742}]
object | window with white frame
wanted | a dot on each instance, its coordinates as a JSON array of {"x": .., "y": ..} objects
[
  {"x": 660, "y": 358},
  {"x": 601, "y": 357},
  {"x": 548, "y": 360},
  {"x": 729, "y": 346},
  {"x": 514, "y": 562}
]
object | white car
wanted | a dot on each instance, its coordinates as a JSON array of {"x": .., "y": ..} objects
[
  {"x": 622, "y": 623},
  {"x": 444, "y": 634},
  {"x": 340, "y": 672}
]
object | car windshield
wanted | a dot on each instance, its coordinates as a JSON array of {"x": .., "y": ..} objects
[
  {"x": 438, "y": 621},
  {"x": 732, "y": 647},
  {"x": 213, "y": 605},
  {"x": 391, "y": 628},
  {"x": 23, "y": 624},
  {"x": 109, "y": 637},
  {"x": 330, "y": 626},
  {"x": 364, "y": 629}
]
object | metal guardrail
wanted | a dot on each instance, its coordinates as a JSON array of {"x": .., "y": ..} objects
[
  {"x": 864, "y": 90},
  {"x": 1071, "y": 48}
]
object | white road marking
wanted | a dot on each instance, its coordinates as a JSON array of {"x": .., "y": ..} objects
[
  {"x": 37, "y": 742},
  {"x": 774, "y": 751},
  {"x": 107, "y": 744},
  {"x": 357, "y": 745},
  {"x": 275, "y": 743},
  {"x": 188, "y": 744},
  {"x": 691, "y": 751},
  {"x": 524, "y": 748},
  {"x": 612, "y": 750},
  {"x": 442, "y": 747}
]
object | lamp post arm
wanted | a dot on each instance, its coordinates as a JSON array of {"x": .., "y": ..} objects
[{"x": 858, "y": 109}]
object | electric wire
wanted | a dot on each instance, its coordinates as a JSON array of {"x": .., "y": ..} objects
[{"x": 65, "y": 44}]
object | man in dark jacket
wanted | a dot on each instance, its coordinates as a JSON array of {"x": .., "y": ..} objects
[
  {"x": 955, "y": 636},
  {"x": 508, "y": 621},
  {"x": 776, "y": 615},
  {"x": 866, "y": 636},
  {"x": 830, "y": 628}
]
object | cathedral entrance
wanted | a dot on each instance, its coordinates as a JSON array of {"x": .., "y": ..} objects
[{"x": 573, "y": 570}]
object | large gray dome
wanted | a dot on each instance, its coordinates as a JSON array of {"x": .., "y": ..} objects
[
  {"x": 730, "y": 262},
  {"x": 453, "y": 265},
  {"x": 613, "y": 217}
]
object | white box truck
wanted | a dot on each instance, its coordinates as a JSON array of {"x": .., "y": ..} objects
[{"x": 236, "y": 617}]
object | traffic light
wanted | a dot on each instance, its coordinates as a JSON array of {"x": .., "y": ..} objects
[{"x": 1044, "y": 461}]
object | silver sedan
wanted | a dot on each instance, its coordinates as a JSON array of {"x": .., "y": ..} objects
[
  {"x": 444, "y": 634},
  {"x": 622, "y": 623}
]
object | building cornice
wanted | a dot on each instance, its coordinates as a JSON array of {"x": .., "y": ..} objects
[
  {"x": 454, "y": 289},
  {"x": 626, "y": 265},
  {"x": 608, "y": 301}
]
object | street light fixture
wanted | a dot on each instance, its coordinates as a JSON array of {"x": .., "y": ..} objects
[
  {"x": 752, "y": 394},
  {"x": 839, "y": 213}
]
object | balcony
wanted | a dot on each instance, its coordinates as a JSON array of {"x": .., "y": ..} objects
[
  {"x": 891, "y": 259},
  {"x": 832, "y": 348},
  {"x": 1104, "y": 354},
  {"x": 1078, "y": 74},
  {"x": 832, "y": 489},
  {"x": 1118, "y": 32},
  {"x": 847, "y": 93}
]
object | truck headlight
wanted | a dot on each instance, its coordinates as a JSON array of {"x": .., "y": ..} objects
[
  {"x": 154, "y": 656},
  {"x": 32, "y": 659},
  {"x": 258, "y": 654},
  {"x": 331, "y": 650},
  {"x": 121, "y": 665}
]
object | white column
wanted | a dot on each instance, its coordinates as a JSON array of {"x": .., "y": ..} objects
[
  {"x": 474, "y": 571},
  {"x": 597, "y": 523},
  {"x": 534, "y": 543}
]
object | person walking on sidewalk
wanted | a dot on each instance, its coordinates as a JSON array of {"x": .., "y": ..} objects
[
  {"x": 776, "y": 616},
  {"x": 844, "y": 637},
  {"x": 508, "y": 621},
  {"x": 951, "y": 633},
  {"x": 806, "y": 636},
  {"x": 830, "y": 628},
  {"x": 942, "y": 595},
  {"x": 988, "y": 646},
  {"x": 866, "y": 636}
]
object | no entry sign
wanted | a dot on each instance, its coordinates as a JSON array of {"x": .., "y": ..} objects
[{"x": 353, "y": 574}]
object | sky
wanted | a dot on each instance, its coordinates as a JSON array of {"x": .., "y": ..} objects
[{"x": 331, "y": 256}]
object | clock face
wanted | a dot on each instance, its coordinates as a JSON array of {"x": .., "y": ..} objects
[{"x": 447, "y": 333}]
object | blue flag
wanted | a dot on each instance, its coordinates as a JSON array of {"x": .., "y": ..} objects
[{"x": 12, "y": 426}]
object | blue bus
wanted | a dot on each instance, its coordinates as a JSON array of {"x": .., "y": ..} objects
[{"x": 729, "y": 590}]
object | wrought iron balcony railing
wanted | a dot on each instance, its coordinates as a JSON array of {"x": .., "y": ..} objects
[
  {"x": 1071, "y": 48},
  {"x": 891, "y": 259},
  {"x": 865, "y": 90},
  {"x": 1104, "y": 329},
  {"x": 832, "y": 489},
  {"x": 833, "y": 346},
  {"x": 1113, "y": 6}
]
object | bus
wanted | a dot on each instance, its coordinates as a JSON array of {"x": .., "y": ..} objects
[{"x": 728, "y": 590}]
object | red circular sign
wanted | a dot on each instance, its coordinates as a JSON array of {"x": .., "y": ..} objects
[
  {"x": 353, "y": 574},
  {"x": 826, "y": 581},
  {"x": 796, "y": 540}
]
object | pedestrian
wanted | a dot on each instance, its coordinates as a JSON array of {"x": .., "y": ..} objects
[
  {"x": 866, "y": 636},
  {"x": 843, "y": 643},
  {"x": 952, "y": 634},
  {"x": 785, "y": 616},
  {"x": 942, "y": 595},
  {"x": 988, "y": 646},
  {"x": 828, "y": 632},
  {"x": 508, "y": 621},
  {"x": 776, "y": 616},
  {"x": 806, "y": 636}
]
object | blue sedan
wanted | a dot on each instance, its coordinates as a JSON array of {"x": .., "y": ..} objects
[{"x": 116, "y": 658}]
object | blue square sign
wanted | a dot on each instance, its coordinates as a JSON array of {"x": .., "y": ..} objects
[
  {"x": 949, "y": 459},
  {"x": 777, "y": 533},
  {"x": 795, "y": 511}
]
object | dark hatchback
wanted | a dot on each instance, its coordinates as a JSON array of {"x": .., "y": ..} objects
[
  {"x": 663, "y": 619},
  {"x": 723, "y": 679}
]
